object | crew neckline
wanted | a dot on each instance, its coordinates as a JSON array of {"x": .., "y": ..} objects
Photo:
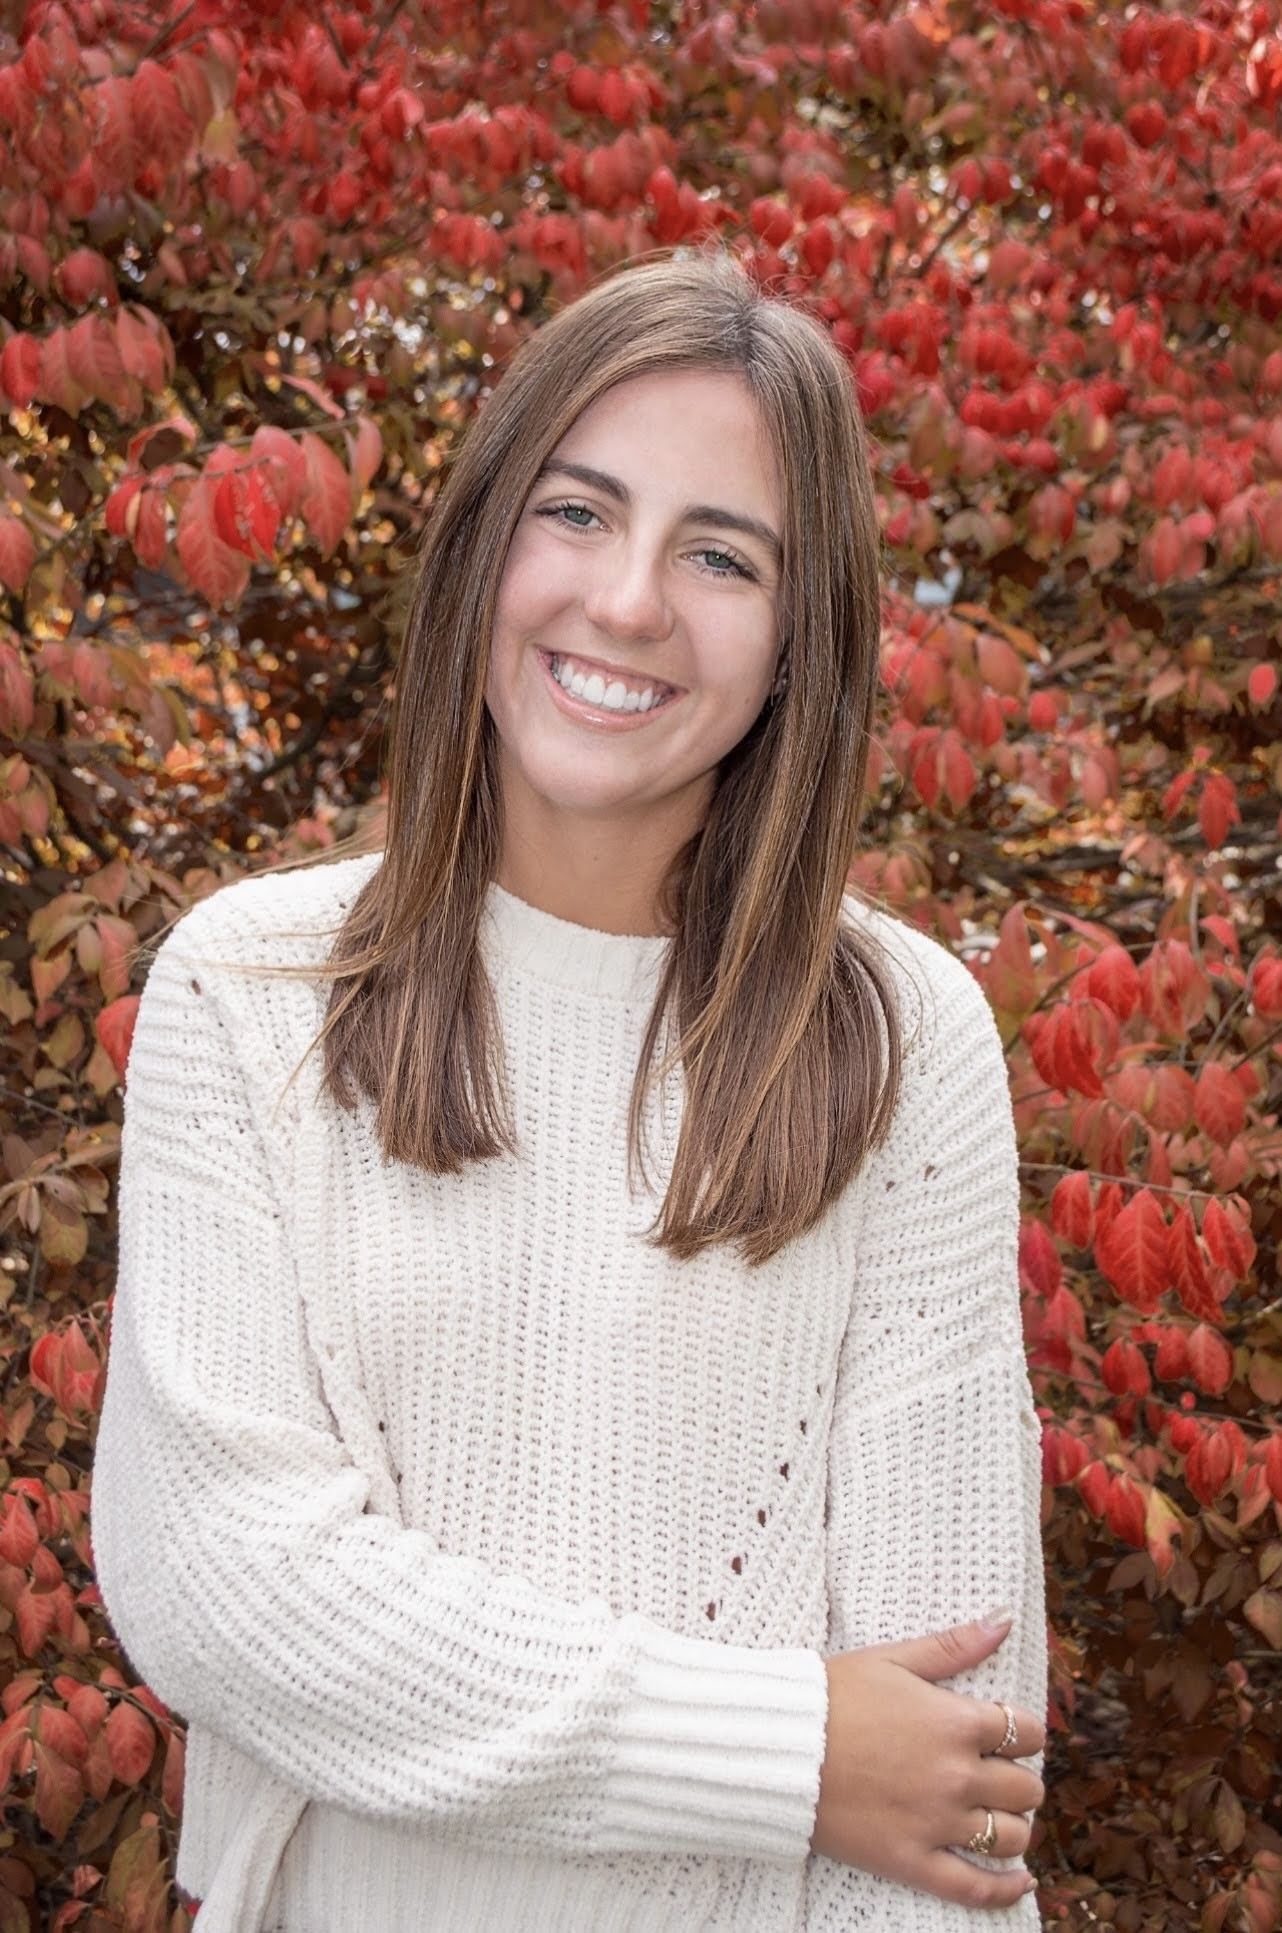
[{"x": 624, "y": 966}]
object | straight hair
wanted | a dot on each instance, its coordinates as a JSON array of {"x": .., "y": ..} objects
[{"x": 784, "y": 1015}]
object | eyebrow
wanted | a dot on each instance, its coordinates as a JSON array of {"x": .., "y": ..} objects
[{"x": 710, "y": 514}]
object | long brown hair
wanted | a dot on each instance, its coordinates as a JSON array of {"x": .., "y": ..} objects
[{"x": 787, "y": 1023}]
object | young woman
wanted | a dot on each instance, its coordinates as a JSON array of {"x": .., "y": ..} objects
[{"x": 561, "y": 1435}]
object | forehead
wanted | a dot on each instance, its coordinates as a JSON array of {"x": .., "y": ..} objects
[{"x": 686, "y": 424}]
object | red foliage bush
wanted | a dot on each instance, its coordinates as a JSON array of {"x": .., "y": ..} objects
[{"x": 257, "y": 267}]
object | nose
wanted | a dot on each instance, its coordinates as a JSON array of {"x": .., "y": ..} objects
[{"x": 626, "y": 597}]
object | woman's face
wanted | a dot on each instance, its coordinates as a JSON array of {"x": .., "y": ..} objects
[{"x": 645, "y": 559}]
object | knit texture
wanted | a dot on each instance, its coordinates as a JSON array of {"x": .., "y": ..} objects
[{"x": 491, "y": 1554}]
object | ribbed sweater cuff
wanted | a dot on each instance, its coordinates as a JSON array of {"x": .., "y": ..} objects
[{"x": 718, "y": 1750}]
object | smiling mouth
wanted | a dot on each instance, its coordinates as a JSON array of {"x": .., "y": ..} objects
[
  {"x": 624, "y": 674},
  {"x": 662, "y": 696}
]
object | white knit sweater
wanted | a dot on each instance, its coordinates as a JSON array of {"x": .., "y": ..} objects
[{"x": 491, "y": 1555}]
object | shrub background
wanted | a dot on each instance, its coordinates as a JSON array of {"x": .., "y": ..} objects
[{"x": 257, "y": 269}]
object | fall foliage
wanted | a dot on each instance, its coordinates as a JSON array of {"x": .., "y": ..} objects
[{"x": 258, "y": 265}]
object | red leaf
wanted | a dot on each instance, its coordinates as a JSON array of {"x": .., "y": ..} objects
[
  {"x": 57, "y": 1729},
  {"x": 365, "y": 449},
  {"x": 17, "y": 552},
  {"x": 247, "y": 512},
  {"x": 1039, "y": 1263},
  {"x": 131, "y": 1741},
  {"x": 1132, "y": 1252},
  {"x": 171, "y": 1782},
  {"x": 36, "y": 1613},
  {"x": 1266, "y": 987},
  {"x": 1188, "y": 1268},
  {"x": 1171, "y": 1356},
  {"x": 1228, "y": 1237},
  {"x": 1219, "y": 1105},
  {"x": 141, "y": 353},
  {"x": 1094, "y": 1484},
  {"x": 326, "y": 502},
  {"x": 93, "y": 357},
  {"x": 1261, "y": 684},
  {"x": 1173, "y": 987},
  {"x": 18, "y": 1534},
  {"x": 1072, "y": 1215},
  {"x": 1273, "y": 1465},
  {"x": 1112, "y": 978},
  {"x": 20, "y": 369},
  {"x": 1124, "y": 1368},
  {"x": 114, "y": 1026},
  {"x": 1217, "y": 808},
  {"x": 159, "y": 118},
  {"x": 59, "y": 1792},
  {"x": 217, "y": 571},
  {"x": 147, "y": 521},
  {"x": 1124, "y": 1511},
  {"x": 286, "y": 464},
  {"x": 89, "y": 1708},
  {"x": 1210, "y": 1360}
]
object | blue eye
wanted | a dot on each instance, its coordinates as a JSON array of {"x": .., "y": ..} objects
[
  {"x": 735, "y": 568},
  {"x": 559, "y": 510}
]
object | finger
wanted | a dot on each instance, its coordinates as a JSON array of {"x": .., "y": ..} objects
[
  {"x": 1012, "y": 1829},
  {"x": 1008, "y": 1788},
  {"x": 953, "y": 1878},
  {"x": 1030, "y": 1731}
]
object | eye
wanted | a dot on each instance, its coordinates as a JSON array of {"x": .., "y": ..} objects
[
  {"x": 561, "y": 510},
  {"x": 568, "y": 512},
  {"x": 737, "y": 568}
]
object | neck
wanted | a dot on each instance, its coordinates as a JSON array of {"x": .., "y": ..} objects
[{"x": 594, "y": 870}]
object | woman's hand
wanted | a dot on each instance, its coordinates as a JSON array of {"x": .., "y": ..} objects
[{"x": 905, "y": 1773}]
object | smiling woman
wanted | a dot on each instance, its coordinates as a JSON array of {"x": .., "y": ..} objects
[{"x": 530, "y": 1537}]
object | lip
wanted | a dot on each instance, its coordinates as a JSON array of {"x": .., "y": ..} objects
[{"x": 577, "y": 708}]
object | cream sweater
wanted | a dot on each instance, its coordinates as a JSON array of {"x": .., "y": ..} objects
[{"x": 492, "y": 1556}]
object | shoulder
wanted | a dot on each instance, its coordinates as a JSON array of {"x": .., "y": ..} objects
[
  {"x": 940, "y": 1000},
  {"x": 287, "y": 917}
]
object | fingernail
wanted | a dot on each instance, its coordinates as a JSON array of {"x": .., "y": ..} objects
[{"x": 994, "y": 1620}]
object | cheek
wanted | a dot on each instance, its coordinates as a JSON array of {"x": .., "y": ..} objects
[
  {"x": 737, "y": 656},
  {"x": 529, "y": 581}
]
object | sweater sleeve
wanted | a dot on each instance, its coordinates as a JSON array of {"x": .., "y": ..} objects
[
  {"x": 934, "y": 1480},
  {"x": 261, "y": 1591}
]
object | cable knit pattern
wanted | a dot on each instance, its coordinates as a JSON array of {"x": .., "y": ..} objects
[{"x": 490, "y": 1554}]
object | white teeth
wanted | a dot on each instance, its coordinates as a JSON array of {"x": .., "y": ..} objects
[{"x": 593, "y": 689}]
